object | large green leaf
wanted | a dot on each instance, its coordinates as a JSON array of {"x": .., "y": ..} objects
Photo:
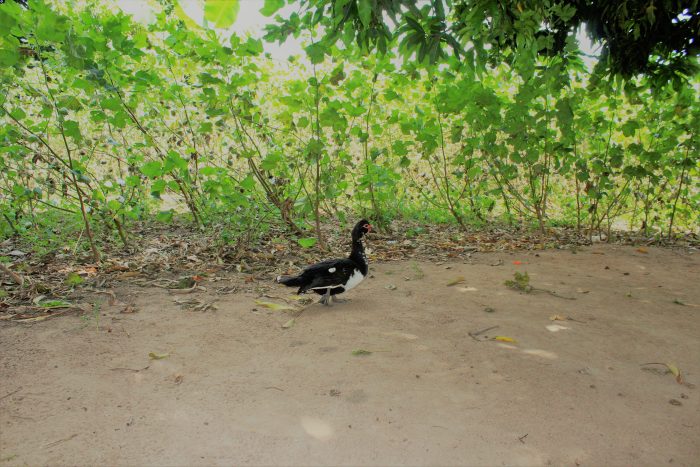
[
  {"x": 72, "y": 130},
  {"x": 364, "y": 9},
  {"x": 271, "y": 7},
  {"x": 221, "y": 13},
  {"x": 307, "y": 242},
  {"x": 9, "y": 55},
  {"x": 152, "y": 169},
  {"x": 316, "y": 52}
]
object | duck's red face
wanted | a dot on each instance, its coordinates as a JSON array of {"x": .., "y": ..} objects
[{"x": 362, "y": 228}]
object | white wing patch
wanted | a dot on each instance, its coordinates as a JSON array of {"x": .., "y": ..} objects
[{"x": 331, "y": 270}]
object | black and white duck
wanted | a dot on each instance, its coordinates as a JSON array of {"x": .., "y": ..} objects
[{"x": 335, "y": 276}]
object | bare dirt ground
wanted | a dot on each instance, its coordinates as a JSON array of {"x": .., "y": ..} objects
[{"x": 236, "y": 387}]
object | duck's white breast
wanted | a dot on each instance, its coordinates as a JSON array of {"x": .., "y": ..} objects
[{"x": 354, "y": 280}]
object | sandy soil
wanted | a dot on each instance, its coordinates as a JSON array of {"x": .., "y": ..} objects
[{"x": 238, "y": 388}]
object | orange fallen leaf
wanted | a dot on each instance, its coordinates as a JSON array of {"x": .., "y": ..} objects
[
  {"x": 642, "y": 250},
  {"x": 117, "y": 267},
  {"x": 87, "y": 271},
  {"x": 517, "y": 263}
]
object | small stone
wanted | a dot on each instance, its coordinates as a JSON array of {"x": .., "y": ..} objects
[{"x": 675, "y": 402}]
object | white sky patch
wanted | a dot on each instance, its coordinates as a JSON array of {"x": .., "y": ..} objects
[{"x": 251, "y": 22}]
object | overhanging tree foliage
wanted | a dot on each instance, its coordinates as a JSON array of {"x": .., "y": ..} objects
[{"x": 656, "y": 38}]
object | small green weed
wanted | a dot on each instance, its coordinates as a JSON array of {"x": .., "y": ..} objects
[{"x": 520, "y": 282}]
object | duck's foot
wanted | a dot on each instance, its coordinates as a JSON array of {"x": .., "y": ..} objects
[
  {"x": 326, "y": 298},
  {"x": 340, "y": 300}
]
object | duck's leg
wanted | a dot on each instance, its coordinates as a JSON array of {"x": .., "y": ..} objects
[{"x": 326, "y": 298}]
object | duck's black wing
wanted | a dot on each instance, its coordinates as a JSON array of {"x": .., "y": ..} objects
[{"x": 331, "y": 273}]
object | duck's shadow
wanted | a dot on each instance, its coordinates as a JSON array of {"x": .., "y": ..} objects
[{"x": 317, "y": 309}]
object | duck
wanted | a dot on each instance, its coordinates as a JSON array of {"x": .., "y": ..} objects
[{"x": 335, "y": 276}]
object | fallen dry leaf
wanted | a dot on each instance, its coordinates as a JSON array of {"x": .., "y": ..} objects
[
  {"x": 676, "y": 372},
  {"x": 642, "y": 250},
  {"x": 129, "y": 309},
  {"x": 158, "y": 356},
  {"x": 456, "y": 281},
  {"x": 178, "y": 378},
  {"x": 504, "y": 339},
  {"x": 117, "y": 268},
  {"x": 274, "y": 306},
  {"x": 671, "y": 367},
  {"x": 555, "y": 328},
  {"x": 127, "y": 275},
  {"x": 288, "y": 324},
  {"x": 557, "y": 318}
]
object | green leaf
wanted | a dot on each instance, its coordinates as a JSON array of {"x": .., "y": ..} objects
[
  {"x": 152, "y": 169},
  {"x": 157, "y": 188},
  {"x": 253, "y": 47},
  {"x": 248, "y": 183},
  {"x": 18, "y": 113},
  {"x": 51, "y": 27},
  {"x": 400, "y": 148},
  {"x": 271, "y": 7},
  {"x": 165, "y": 216},
  {"x": 74, "y": 279},
  {"x": 221, "y": 13},
  {"x": 70, "y": 103},
  {"x": 364, "y": 10},
  {"x": 71, "y": 129},
  {"x": 271, "y": 161},
  {"x": 111, "y": 103},
  {"x": 361, "y": 352},
  {"x": 629, "y": 128},
  {"x": 307, "y": 242},
  {"x": 9, "y": 55},
  {"x": 174, "y": 161},
  {"x": 316, "y": 53},
  {"x": 8, "y": 16}
]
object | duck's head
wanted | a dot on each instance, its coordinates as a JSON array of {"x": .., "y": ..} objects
[{"x": 361, "y": 228}]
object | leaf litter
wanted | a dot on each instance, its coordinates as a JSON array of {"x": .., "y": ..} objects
[{"x": 167, "y": 250}]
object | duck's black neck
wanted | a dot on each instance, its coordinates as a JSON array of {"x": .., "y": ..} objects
[{"x": 358, "y": 255}]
